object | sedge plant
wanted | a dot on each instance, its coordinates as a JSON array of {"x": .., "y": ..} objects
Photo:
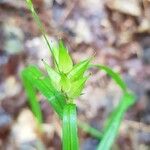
[{"x": 63, "y": 85}]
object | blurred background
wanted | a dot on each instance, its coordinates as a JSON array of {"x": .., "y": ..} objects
[{"x": 116, "y": 31}]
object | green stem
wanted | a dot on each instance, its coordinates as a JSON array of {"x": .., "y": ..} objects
[{"x": 41, "y": 27}]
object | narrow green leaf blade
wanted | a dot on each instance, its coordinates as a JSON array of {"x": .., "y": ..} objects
[
  {"x": 32, "y": 100},
  {"x": 70, "y": 135},
  {"x": 90, "y": 130},
  {"x": 34, "y": 76},
  {"x": 113, "y": 123},
  {"x": 78, "y": 70},
  {"x": 114, "y": 75},
  {"x": 126, "y": 101},
  {"x": 65, "y": 61}
]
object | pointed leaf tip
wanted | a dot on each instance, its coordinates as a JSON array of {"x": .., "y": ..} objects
[
  {"x": 65, "y": 83},
  {"x": 65, "y": 61},
  {"x": 77, "y": 87},
  {"x": 53, "y": 75},
  {"x": 79, "y": 69}
]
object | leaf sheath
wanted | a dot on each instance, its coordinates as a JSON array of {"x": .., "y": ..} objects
[{"x": 70, "y": 137}]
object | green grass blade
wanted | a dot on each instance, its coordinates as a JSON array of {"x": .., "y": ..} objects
[
  {"x": 33, "y": 76},
  {"x": 113, "y": 123},
  {"x": 32, "y": 100},
  {"x": 90, "y": 130},
  {"x": 70, "y": 136},
  {"x": 114, "y": 75},
  {"x": 126, "y": 101}
]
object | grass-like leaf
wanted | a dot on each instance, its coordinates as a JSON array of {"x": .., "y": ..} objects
[
  {"x": 114, "y": 121},
  {"x": 70, "y": 136},
  {"x": 114, "y": 75},
  {"x": 33, "y": 76},
  {"x": 90, "y": 130},
  {"x": 31, "y": 94}
]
